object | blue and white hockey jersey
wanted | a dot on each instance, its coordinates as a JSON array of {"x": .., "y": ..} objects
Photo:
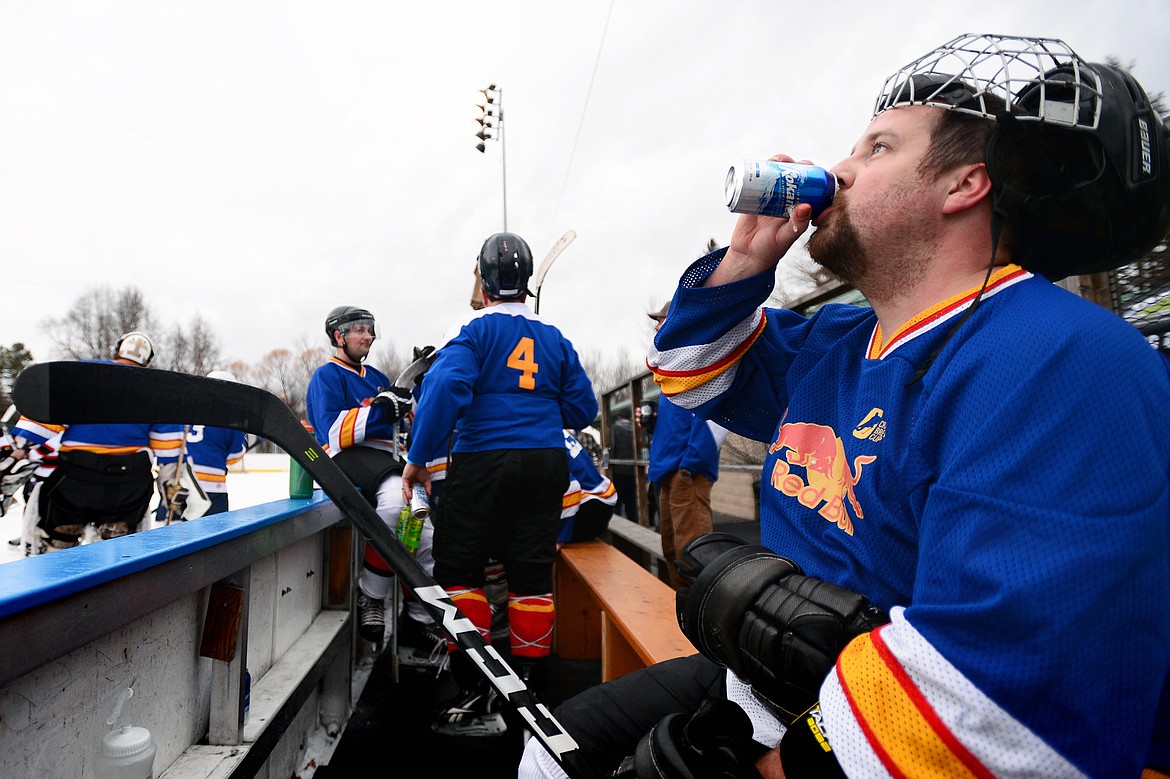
[
  {"x": 586, "y": 485},
  {"x": 338, "y": 400},
  {"x": 1010, "y": 509},
  {"x": 508, "y": 380},
  {"x": 211, "y": 451}
]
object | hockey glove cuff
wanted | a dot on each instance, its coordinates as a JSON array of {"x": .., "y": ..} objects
[
  {"x": 756, "y": 614},
  {"x": 715, "y": 742},
  {"x": 396, "y": 401},
  {"x": 805, "y": 752}
]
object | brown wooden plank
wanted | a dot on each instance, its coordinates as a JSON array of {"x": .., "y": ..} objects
[
  {"x": 639, "y": 605},
  {"x": 339, "y": 542},
  {"x": 221, "y": 626},
  {"x": 578, "y": 629},
  {"x": 618, "y": 657}
]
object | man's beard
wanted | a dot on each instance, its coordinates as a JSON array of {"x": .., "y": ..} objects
[{"x": 837, "y": 247}]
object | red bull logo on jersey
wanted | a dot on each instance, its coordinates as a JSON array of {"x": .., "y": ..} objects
[{"x": 828, "y": 480}]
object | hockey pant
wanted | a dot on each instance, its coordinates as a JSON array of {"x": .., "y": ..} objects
[
  {"x": 111, "y": 492},
  {"x": 607, "y": 721}
]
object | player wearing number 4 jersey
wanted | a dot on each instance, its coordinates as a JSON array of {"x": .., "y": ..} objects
[{"x": 514, "y": 383}]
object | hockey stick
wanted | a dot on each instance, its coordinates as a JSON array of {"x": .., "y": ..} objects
[
  {"x": 172, "y": 503},
  {"x": 94, "y": 392},
  {"x": 549, "y": 259},
  {"x": 411, "y": 373}
]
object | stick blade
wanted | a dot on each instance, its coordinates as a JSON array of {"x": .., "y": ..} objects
[
  {"x": 112, "y": 393},
  {"x": 411, "y": 372},
  {"x": 553, "y": 253}
]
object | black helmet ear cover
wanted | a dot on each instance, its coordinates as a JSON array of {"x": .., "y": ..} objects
[
  {"x": 1081, "y": 165},
  {"x": 1082, "y": 200}
]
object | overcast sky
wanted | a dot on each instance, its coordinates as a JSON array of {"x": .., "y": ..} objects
[{"x": 258, "y": 163}]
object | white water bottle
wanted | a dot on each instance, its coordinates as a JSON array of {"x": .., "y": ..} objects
[{"x": 127, "y": 751}]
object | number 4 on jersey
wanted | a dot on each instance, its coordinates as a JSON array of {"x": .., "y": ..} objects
[{"x": 523, "y": 359}]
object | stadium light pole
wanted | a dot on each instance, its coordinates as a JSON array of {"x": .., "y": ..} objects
[{"x": 490, "y": 125}]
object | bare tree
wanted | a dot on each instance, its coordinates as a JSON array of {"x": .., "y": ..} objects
[
  {"x": 93, "y": 324},
  {"x": 191, "y": 350},
  {"x": 279, "y": 374},
  {"x": 608, "y": 370},
  {"x": 12, "y": 361},
  {"x": 239, "y": 369},
  {"x": 282, "y": 372}
]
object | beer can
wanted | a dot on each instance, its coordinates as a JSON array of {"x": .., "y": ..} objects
[
  {"x": 419, "y": 505},
  {"x": 775, "y": 188}
]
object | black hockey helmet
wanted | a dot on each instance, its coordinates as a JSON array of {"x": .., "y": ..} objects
[
  {"x": 505, "y": 265},
  {"x": 1080, "y": 161},
  {"x": 135, "y": 347},
  {"x": 1094, "y": 199},
  {"x": 342, "y": 317}
]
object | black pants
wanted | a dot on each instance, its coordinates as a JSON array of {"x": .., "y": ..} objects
[
  {"x": 108, "y": 490},
  {"x": 501, "y": 505},
  {"x": 609, "y": 720},
  {"x": 627, "y": 492}
]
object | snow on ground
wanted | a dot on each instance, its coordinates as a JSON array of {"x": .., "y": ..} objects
[{"x": 264, "y": 478}]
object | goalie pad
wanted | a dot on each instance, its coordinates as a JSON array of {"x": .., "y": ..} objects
[
  {"x": 780, "y": 631},
  {"x": 190, "y": 501},
  {"x": 14, "y": 474}
]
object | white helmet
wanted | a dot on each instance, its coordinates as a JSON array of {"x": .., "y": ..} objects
[
  {"x": 135, "y": 347},
  {"x": 223, "y": 375}
]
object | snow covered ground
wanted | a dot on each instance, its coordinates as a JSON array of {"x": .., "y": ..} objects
[{"x": 263, "y": 479}]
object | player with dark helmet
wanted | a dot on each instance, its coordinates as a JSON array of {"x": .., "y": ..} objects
[
  {"x": 505, "y": 265},
  {"x": 342, "y": 318},
  {"x": 1079, "y": 161},
  {"x": 968, "y": 468},
  {"x": 355, "y": 413},
  {"x": 511, "y": 382}
]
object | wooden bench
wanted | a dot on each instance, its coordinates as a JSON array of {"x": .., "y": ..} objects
[{"x": 612, "y": 609}]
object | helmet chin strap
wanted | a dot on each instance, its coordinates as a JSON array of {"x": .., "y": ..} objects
[
  {"x": 997, "y": 217},
  {"x": 345, "y": 350}
]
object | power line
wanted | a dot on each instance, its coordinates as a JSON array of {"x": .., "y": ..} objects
[{"x": 581, "y": 122}]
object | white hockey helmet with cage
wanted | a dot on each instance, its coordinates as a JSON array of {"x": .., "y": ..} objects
[
  {"x": 1080, "y": 158},
  {"x": 135, "y": 347}
]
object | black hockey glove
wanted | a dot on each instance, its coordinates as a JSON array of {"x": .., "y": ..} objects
[
  {"x": 715, "y": 742},
  {"x": 702, "y": 550},
  {"x": 755, "y": 613},
  {"x": 396, "y": 401},
  {"x": 422, "y": 351}
]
